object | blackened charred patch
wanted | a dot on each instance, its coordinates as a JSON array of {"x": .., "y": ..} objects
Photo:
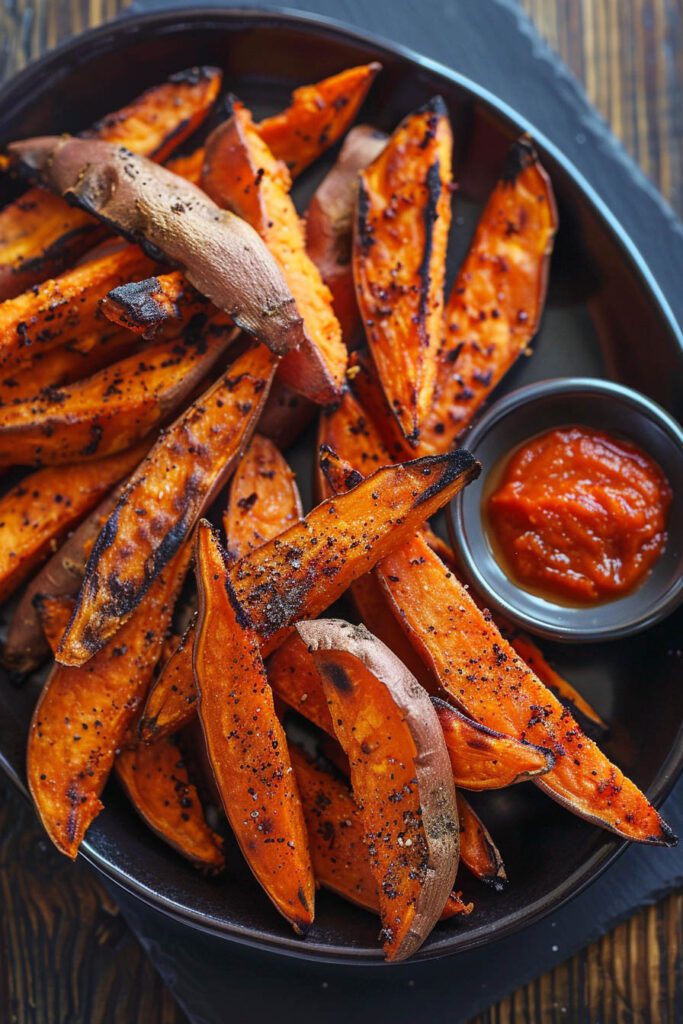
[
  {"x": 337, "y": 675},
  {"x": 449, "y": 468},
  {"x": 364, "y": 231},
  {"x": 61, "y": 251},
  {"x": 194, "y": 75},
  {"x": 241, "y": 615},
  {"x": 433, "y": 186},
  {"x": 138, "y": 301},
  {"x": 520, "y": 156}
]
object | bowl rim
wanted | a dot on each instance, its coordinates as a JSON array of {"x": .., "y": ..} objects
[
  {"x": 459, "y": 511},
  {"x": 83, "y": 47}
]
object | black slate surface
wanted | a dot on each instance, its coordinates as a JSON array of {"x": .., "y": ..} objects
[{"x": 492, "y": 42}]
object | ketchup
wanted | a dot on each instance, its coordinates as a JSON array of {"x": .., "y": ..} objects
[{"x": 579, "y": 515}]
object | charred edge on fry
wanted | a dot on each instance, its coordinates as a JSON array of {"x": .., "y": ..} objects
[
  {"x": 520, "y": 156},
  {"x": 57, "y": 251},
  {"x": 451, "y": 466},
  {"x": 365, "y": 239},
  {"x": 337, "y": 676},
  {"x": 138, "y": 301}
]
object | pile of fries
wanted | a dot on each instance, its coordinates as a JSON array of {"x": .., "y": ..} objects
[{"x": 142, "y": 379}]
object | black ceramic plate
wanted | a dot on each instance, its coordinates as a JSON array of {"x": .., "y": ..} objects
[{"x": 605, "y": 317}]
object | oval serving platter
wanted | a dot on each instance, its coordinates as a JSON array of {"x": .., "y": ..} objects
[{"x": 604, "y": 318}]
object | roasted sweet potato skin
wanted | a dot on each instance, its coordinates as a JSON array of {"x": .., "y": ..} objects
[
  {"x": 497, "y": 300},
  {"x": 399, "y": 259},
  {"x": 400, "y": 775},
  {"x": 176, "y": 482},
  {"x": 246, "y": 744},
  {"x": 111, "y": 410},
  {"x": 489, "y": 682},
  {"x": 40, "y": 234},
  {"x": 318, "y": 116},
  {"x": 37, "y": 512},
  {"x": 171, "y": 218},
  {"x": 83, "y": 713},
  {"x": 478, "y": 852},
  {"x": 157, "y": 783},
  {"x": 241, "y": 174}
]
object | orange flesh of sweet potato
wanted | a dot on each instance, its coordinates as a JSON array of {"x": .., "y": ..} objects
[
  {"x": 264, "y": 498},
  {"x": 111, "y": 410},
  {"x": 489, "y": 682},
  {"x": 54, "y": 614},
  {"x": 156, "y": 780},
  {"x": 497, "y": 300},
  {"x": 400, "y": 775},
  {"x": 168, "y": 301},
  {"x": 64, "y": 309},
  {"x": 368, "y": 391},
  {"x": 264, "y": 501},
  {"x": 317, "y": 117},
  {"x": 246, "y": 744},
  {"x": 37, "y": 512},
  {"x": 399, "y": 260},
  {"x": 329, "y": 223},
  {"x": 478, "y": 852},
  {"x": 165, "y": 497},
  {"x": 40, "y": 234},
  {"x": 83, "y": 713},
  {"x": 336, "y": 838},
  {"x": 241, "y": 174}
]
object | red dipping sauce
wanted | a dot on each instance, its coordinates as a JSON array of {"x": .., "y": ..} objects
[{"x": 579, "y": 515}]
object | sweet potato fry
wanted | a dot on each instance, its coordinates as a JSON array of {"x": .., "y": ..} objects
[
  {"x": 171, "y": 219},
  {"x": 64, "y": 309},
  {"x": 111, "y": 410},
  {"x": 400, "y": 775},
  {"x": 478, "y": 852},
  {"x": 241, "y": 174},
  {"x": 497, "y": 300},
  {"x": 489, "y": 682},
  {"x": 164, "y": 499},
  {"x": 83, "y": 713},
  {"x": 172, "y": 700},
  {"x": 156, "y": 781},
  {"x": 167, "y": 302},
  {"x": 37, "y": 512},
  {"x": 317, "y": 117},
  {"x": 368, "y": 390},
  {"x": 336, "y": 838},
  {"x": 54, "y": 614},
  {"x": 399, "y": 260},
  {"x": 40, "y": 234},
  {"x": 264, "y": 498},
  {"x": 246, "y": 744},
  {"x": 329, "y": 223}
]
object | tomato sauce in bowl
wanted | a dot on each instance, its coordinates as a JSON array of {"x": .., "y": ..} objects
[{"x": 578, "y": 515}]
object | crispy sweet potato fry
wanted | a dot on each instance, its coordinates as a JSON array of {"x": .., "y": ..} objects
[
  {"x": 157, "y": 783},
  {"x": 329, "y": 223},
  {"x": 171, "y": 219},
  {"x": 247, "y": 745},
  {"x": 172, "y": 700},
  {"x": 111, "y": 410},
  {"x": 264, "y": 498},
  {"x": 317, "y": 117},
  {"x": 40, "y": 234},
  {"x": 399, "y": 259},
  {"x": 167, "y": 302},
  {"x": 40, "y": 510},
  {"x": 368, "y": 391},
  {"x": 54, "y": 614},
  {"x": 336, "y": 838},
  {"x": 400, "y": 775},
  {"x": 164, "y": 499},
  {"x": 83, "y": 713},
  {"x": 490, "y": 683},
  {"x": 495, "y": 307},
  {"x": 478, "y": 852},
  {"x": 241, "y": 174}
]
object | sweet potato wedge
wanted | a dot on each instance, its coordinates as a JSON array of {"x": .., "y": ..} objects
[
  {"x": 246, "y": 744},
  {"x": 241, "y": 174},
  {"x": 264, "y": 498},
  {"x": 478, "y": 852},
  {"x": 172, "y": 700},
  {"x": 114, "y": 408},
  {"x": 171, "y": 219},
  {"x": 54, "y": 614},
  {"x": 400, "y": 775},
  {"x": 37, "y": 512},
  {"x": 336, "y": 838},
  {"x": 40, "y": 234},
  {"x": 166, "y": 303},
  {"x": 497, "y": 300},
  {"x": 477, "y": 666},
  {"x": 329, "y": 223},
  {"x": 399, "y": 259},
  {"x": 156, "y": 781},
  {"x": 82, "y": 715},
  {"x": 64, "y": 309},
  {"x": 165, "y": 497},
  {"x": 368, "y": 390},
  {"x": 317, "y": 117}
]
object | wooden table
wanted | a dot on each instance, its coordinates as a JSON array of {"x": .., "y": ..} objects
[{"x": 66, "y": 955}]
